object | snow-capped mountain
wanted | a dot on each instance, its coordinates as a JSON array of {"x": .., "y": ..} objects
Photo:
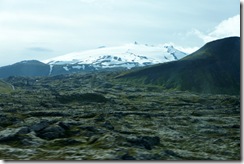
[
  {"x": 102, "y": 58},
  {"x": 126, "y": 56}
]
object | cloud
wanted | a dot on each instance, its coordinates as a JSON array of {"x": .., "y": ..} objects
[
  {"x": 64, "y": 26},
  {"x": 188, "y": 50},
  {"x": 226, "y": 28}
]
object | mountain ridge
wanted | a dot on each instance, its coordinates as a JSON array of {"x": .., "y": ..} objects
[
  {"x": 132, "y": 54},
  {"x": 104, "y": 58}
]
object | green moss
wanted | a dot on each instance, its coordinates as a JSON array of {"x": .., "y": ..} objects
[{"x": 86, "y": 97}]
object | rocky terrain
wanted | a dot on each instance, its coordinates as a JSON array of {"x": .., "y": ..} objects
[{"x": 98, "y": 117}]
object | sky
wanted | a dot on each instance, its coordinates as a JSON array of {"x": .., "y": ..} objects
[{"x": 42, "y": 29}]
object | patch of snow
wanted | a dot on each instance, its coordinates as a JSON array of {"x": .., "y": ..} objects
[
  {"x": 66, "y": 68},
  {"x": 51, "y": 69},
  {"x": 77, "y": 67}
]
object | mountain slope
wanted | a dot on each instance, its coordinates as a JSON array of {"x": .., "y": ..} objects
[
  {"x": 214, "y": 68},
  {"x": 25, "y": 68}
]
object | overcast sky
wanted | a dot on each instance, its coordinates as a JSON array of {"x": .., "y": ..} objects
[{"x": 41, "y": 29}]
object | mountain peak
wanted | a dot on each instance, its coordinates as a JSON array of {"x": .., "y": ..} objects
[
  {"x": 30, "y": 62},
  {"x": 221, "y": 49}
]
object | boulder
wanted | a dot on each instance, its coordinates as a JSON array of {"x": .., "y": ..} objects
[
  {"x": 147, "y": 142},
  {"x": 39, "y": 126},
  {"x": 106, "y": 141},
  {"x": 11, "y": 133},
  {"x": 64, "y": 125},
  {"x": 108, "y": 125},
  {"x": 31, "y": 139},
  {"x": 51, "y": 132},
  {"x": 127, "y": 157}
]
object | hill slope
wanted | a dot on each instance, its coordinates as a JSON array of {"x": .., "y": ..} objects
[
  {"x": 5, "y": 87},
  {"x": 214, "y": 68},
  {"x": 25, "y": 68}
]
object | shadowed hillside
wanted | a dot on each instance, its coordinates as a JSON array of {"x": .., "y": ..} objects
[
  {"x": 25, "y": 68},
  {"x": 214, "y": 68}
]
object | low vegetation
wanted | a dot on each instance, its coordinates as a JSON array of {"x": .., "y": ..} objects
[
  {"x": 213, "y": 69},
  {"x": 97, "y": 117}
]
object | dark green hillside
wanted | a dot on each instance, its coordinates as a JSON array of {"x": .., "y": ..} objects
[
  {"x": 215, "y": 68},
  {"x": 25, "y": 68}
]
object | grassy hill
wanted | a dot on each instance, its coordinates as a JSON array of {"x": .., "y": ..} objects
[
  {"x": 214, "y": 68},
  {"x": 5, "y": 87}
]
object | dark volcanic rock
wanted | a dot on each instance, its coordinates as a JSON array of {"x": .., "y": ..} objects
[
  {"x": 108, "y": 125},
  {"x": 64, "y": 125},
  {"x": 52, "y": 132},
  {"x": 39, "y": 126},
  {"x": 82, "y": 98},
  {"x": 127, "y": 157},
  {"x": 11, "y": 133},
  {"x": 146, "y": 141}
]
